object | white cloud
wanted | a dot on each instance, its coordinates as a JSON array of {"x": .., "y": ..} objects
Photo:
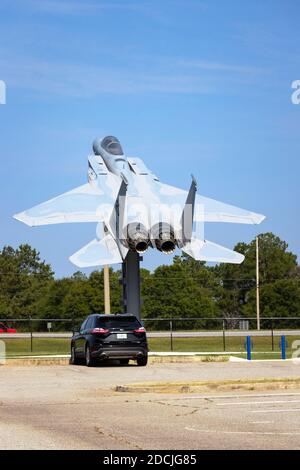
[
  {"x": 88, "y": 80},
  {"x": 74, "y": 7},
  {"x": 79, "y": 80},
  {"x": 222, "y": 67},
  {"x": 132, "y": 73}
]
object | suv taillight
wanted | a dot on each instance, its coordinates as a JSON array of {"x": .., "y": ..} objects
[
  {"x": 140, "y": 330},
  {"x": 100, "y": 331}
]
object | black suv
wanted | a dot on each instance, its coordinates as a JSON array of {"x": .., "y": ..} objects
[{"x": 103, "y": 337}]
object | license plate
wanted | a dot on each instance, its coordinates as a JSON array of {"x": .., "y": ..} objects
[{"x": 121, "y": 335}]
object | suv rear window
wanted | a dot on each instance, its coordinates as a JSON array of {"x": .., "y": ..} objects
[{"x": 127, "y": 323}]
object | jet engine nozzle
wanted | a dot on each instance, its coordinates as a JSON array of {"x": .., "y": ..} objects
[
  {"x": 164, "y": 239},
  {"x": 167, "y": 246},
  {"x": 137, "y": 237}
]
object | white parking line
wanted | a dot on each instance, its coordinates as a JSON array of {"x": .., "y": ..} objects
[
  {"x": 225, "y": 397},
  {"x": 264, "y": 433},
  {"x": 243, "y": 403},
  {"x": 289, "y": 410},
  {"x": 261, "y": 422}
]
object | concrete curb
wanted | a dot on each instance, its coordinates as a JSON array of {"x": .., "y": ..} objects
[
  {"x": 154, "y": 358},
  {"x": 36, "y": 361},
  {"x": 209, "y": 386}
]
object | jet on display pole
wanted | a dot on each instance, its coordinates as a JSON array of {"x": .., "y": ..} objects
[{"x": 134, "y": 211}]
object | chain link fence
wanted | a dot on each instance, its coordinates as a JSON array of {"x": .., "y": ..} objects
[{"x": 43, "y": 336}]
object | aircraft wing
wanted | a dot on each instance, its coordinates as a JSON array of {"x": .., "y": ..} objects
[
  {"x": 209, "y": 210},
  {"x": 92, "y": 202}
]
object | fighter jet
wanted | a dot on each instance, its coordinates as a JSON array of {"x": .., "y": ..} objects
[{"x": 135, "y": 211}]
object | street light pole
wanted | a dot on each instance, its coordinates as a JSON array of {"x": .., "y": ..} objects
[
  {"x": 106, "y": 290},
  {"x": 257, "y": 285}
]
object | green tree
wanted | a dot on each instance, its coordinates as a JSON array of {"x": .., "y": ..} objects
[
  {"x": 184, "y": 289},
  {"x": 24, "y": 280},
  {"x": 278, "y": 299},
  {"x": 276, "y": 263},
  {"x": 86, "y": 295}
]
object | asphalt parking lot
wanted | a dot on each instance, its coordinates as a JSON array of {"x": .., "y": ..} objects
[{"x": 74, "y": 407}]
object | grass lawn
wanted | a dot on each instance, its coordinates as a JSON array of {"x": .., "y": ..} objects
[
  {"x": 211, "y": 344},
  {"x": 40, "y": 346},
  {"x": 261, "y": 344}
]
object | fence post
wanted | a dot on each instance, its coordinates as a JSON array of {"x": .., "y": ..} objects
[
  {"x": 283, "y": 347},
  {"x": 272, "y": 335},
  {"x": 31, "y": 339},
  {"x": 224, "y": 338},
  {"x": 249, "y": 348},
  {"x": 171, "y": 334}
]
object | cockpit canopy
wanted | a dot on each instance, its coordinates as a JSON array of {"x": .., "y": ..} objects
[{"x": 112, "y": 145}]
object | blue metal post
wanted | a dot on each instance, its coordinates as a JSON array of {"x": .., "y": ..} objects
[
  {"x": 283, "y": 347},
  {"x": 249, "y": 348}
]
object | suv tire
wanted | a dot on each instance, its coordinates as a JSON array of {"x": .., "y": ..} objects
[
  {"x": 142, "y": 361},
  {"x": 89, "y": 360},
  {"x": 74, "y": 360}
]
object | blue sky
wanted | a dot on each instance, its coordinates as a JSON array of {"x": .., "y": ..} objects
[{"x": 200, "y": 87}]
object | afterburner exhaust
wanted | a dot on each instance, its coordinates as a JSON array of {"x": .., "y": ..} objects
[
  {"x": 137, "y": 237},
  {"x": 163, "y": 236},
  {"x": 168, "y": 246}
]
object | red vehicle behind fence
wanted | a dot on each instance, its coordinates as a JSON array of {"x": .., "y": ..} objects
[{"x": 6, "y": 329}]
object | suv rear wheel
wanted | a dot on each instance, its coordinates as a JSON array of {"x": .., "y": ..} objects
[
  {"x": 74, "y": 361},
  {"x": 142, "y": 361},
  {"x": 89, "y": 360}
]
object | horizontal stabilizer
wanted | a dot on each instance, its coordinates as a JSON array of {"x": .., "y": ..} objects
[
  {"x": 97, "y": 253},
  {"x": 208, "y": 251}
]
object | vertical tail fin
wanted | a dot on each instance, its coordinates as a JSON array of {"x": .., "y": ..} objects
[{"x": 188, "y": 214}]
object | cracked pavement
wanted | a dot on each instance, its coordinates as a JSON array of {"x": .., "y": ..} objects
[{"x": 74, "y": 407}]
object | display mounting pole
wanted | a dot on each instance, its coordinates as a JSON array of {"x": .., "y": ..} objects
[
  {"x": 131, "y": 284},
  {"x": 106, "y": 290}
]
